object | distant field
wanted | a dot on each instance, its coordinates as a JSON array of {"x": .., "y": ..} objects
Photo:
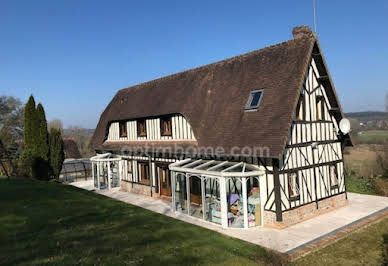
[
  {"x": 361, "y": 160},
  {"x": 374, "y": 137},
  {"x": 363, "y": 168}
]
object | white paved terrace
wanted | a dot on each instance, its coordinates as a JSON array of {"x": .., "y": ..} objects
[{"x": 283, "y": 240}]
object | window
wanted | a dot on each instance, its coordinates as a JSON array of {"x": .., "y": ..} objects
[
  {"x": 123, "y": 129},
  {"x": 254, "y": 100},
  {"x": 320, "y": 107},
  {"x": 127, "y": 170},
  {"x": 165, "y": 126},
  {"x": 144, "y": 172},
  {"x": 141, "y": 128},
  {"x": 333, "y": 176},
  {"x": 293, "y": 186},
  {"x": 300, "y": 109}
]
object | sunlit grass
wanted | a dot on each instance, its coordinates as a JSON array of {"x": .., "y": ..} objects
[
  {"x": 51, "y": 223},
  {"x": 360, "y": 248}
]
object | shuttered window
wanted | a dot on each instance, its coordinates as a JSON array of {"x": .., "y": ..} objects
[
  {"x": 320, "y": 108},
  {"x": 300, "y": 109},
  {"x": 293, "y": 186},
  {"x": 141, "y": 128},
  {"x": 144, "y": 172},
  {"x": 333, "y": 176},
  {"x": 123, "y": 129},
  {"x": 166, "y": 126}
]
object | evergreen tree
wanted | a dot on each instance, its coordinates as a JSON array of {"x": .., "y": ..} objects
[
  {"x": 30, "y": 137},
  {"x": 42, "y": 140},
  {"x": 34, "y": 158},
  {"x": 57, "y": 155},
  {"x": 30, "y": 126}
]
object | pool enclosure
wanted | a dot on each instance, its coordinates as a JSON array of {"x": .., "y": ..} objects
[
  {"x": 221, "y": 192},
  {"x": 105, "y": 171}
]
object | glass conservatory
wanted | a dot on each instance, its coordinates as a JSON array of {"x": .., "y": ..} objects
[
  {"x": 105, "y": 171},
  {"x": 221, "y": 192}
]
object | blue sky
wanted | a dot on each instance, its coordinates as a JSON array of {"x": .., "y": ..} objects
[{"x": 74, "y": 55}]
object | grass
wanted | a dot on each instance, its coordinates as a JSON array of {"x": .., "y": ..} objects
[
  {"x": 50, "y": 223},
  {"x": 361, "y": 248},
  {"x": 54, "y": 224},
  {"x": 374, "y": 137},
  {"x": 361, "y": 185}
]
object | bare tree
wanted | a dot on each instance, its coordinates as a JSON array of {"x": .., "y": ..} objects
[
  {"x": 11, "y": 120},
  {"x": 55, "y": 123}
]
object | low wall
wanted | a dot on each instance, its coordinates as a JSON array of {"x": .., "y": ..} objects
[
  {"x": 138, "y": 188},
  {"x": 305, "y": 212}
]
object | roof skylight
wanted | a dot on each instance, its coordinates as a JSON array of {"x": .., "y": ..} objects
[{"x": 254, "y": 100}]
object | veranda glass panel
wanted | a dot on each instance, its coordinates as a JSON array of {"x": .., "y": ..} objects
[
  {"x": 212, "y": 200},
  {"x": 254, "y": 207},
  {"x": 114, "y": 174},
  {"x": 180, "y": 193},
  {"x": 235, "y": 203},
  {"x": 103, "y": 176},
  {"x": 196, "y": 197},
  {"x": 95, "y": 175}
]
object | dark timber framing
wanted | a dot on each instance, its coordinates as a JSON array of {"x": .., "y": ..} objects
[
  {"x": 312, "y": 145},
  {"x": 278, "y": 200}
]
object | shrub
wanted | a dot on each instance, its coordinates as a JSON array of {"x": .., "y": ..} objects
[
  {"x": 385, "y": 174},
  {"x": 40, "y": 168},
  {"x": 382, "y": 186},
  {"x": 361, "y": 185},
  {"x": 25, "y": 163}
]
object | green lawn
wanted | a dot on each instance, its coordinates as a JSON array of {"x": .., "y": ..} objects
[
  {"x": 374, "y": 137},
  {"x": 361, "y": 248},
  {"x": 51, "y": 223}
]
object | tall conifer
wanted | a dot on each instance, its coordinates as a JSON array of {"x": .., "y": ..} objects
[
  {"x": 42, "y": 136},
  {"x": 30, "y": 126},
  {"x": 57, "y": 155}
]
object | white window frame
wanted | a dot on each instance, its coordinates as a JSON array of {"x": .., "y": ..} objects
[{"x": 248, "y": 105}]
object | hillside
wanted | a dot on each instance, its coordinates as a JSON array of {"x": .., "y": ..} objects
[{"x": 368, "y": 115}]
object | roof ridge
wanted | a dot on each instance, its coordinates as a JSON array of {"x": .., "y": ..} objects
[{"x": 213, "y": 63}]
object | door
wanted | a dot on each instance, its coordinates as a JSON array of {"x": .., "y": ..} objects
[
  {"x": 195, "y": 190},
  {"x": 164, "y": 180}
]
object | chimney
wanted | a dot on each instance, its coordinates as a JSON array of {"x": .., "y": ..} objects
[{"x": 301, "y": 31}]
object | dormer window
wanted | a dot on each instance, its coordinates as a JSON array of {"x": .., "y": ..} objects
[
  {"x": 123, "y": 129},
  {"x": 254, "y": 100},
  {"x": 141, "y": 128},
  {"x": 165, "y": 126}
]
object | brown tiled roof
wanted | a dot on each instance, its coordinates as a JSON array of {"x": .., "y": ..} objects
[
  {"x": 71, "y": 149},
  {"x": 213, "y": 97}
]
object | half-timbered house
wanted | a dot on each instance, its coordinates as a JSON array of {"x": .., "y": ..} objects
[{"x": 249, "y": 141}]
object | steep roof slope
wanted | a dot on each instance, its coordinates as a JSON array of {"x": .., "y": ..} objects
[
  {"x": 213, "y": 97},
  {"x": 71, "y": 149}
]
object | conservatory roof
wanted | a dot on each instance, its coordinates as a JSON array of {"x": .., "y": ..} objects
[
  {"x": 105, "y": 157},
  {"x": 216, "y": 168}
]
